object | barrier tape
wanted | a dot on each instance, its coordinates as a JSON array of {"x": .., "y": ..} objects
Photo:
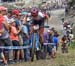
[
  {"x": 21, "y": 47},
  {"x": 14, "y": 47},
  {"x": 49, "y": 43}
]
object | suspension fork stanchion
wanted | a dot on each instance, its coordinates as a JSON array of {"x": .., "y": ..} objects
[
  {"x": 32, "y": 52},
  {"x": 33, "y": 46},
  {"x": 47, "y": 21}
]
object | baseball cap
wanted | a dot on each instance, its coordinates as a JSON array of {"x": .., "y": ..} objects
[
  {"x": 16, "y": 12},
  {"x": 11, "y": 21},
  {"x": 2, "y": 8}
]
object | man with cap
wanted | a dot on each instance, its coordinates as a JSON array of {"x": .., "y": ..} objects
[
  {"x": 3, "y": 34},
  {"x": 4, "y": 37},
  {"x": 14, "y": 38},
  {"x": 16, "y": 16}
]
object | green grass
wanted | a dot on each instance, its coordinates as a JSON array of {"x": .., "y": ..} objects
[
  {"x": 72, "y": 45},
  {"x": 67, "y": 59}
]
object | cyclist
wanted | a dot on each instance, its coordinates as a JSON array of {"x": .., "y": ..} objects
[{"x": 38, "y": 18}]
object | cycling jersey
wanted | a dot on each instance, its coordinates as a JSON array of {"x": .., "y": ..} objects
[{"x": 38, "y": 21}]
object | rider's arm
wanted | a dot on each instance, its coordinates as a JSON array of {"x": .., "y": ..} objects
[{"x": 6, "y": 25}]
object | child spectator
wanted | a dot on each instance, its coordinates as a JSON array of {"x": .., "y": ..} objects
[
  {"x": 55, "y": 44},
  {"x": 15, "y": 39}
]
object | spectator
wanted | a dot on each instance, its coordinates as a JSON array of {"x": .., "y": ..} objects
[
  {"x": 1, "y": 34},
  {"x": 49, "y": 38},
  {"x": 4, "y": 38},
  {"x": 64, "y": 46},
  {"x": 16, "y": 15},
  {"x": 15, "y": 39},
  {"x": 5, "y": 11},
  {"x": 55, "y": 45},
  {"x": 25, "y": 35}
]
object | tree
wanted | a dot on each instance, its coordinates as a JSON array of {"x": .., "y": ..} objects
[{"x": 71, "y": 3}]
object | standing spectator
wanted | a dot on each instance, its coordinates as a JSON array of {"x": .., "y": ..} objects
[
  {"x": 55, "y": 45},
  {"x": 15, "y": 39},
  {"x": 45, "y": 41},
  {"x": 4, "y": 38},
  {"x": 1, "y": 34},
  {"x": 64, "y": 46},
  {"x": 4, "y": 12},
  {"x": 49, "y": 38},
  {"x": 25, "y": 35},
  {"x": 16, "y": 15}
]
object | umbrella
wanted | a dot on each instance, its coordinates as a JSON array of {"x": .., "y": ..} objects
[{"x": 24, "y": 13}]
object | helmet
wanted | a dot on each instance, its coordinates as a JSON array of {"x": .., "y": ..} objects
[
  {"x": 16, "y": 12},
  {"x": 11, "y": 21},
  {"x": 34, "y": 12}
]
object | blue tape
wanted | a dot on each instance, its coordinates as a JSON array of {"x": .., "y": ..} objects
[
  {"x": 21, "y": 47},
  {"x": 49, "y": 43},
  {"x": 14, "y": 47}
]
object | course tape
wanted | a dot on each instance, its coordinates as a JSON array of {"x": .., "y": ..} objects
[
  {"x": 21, "y": 47},
  {"x": 49, "y": 43},
  {"x": 14, "y": 47}
]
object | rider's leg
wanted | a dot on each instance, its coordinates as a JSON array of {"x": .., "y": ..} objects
[{"x": 41, "y": 31}]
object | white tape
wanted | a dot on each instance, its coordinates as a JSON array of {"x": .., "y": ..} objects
[{"x": 14, "y": 47}]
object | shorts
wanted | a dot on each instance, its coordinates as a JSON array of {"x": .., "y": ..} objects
[
  {"x": 5, "y": 42},
  {"x": 25, "y": 43},
  {"x": 20, "y": 40},
  {"x": 15, "y": 43},
  {"x": 49, "y": 49},
  {"x": 41, "y": 30},
  {"x": 54, "y": 49}
]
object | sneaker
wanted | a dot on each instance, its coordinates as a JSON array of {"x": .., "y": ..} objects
[
  {"x": 5, "y": 65},
  {"x": 11, "y": 62}
]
